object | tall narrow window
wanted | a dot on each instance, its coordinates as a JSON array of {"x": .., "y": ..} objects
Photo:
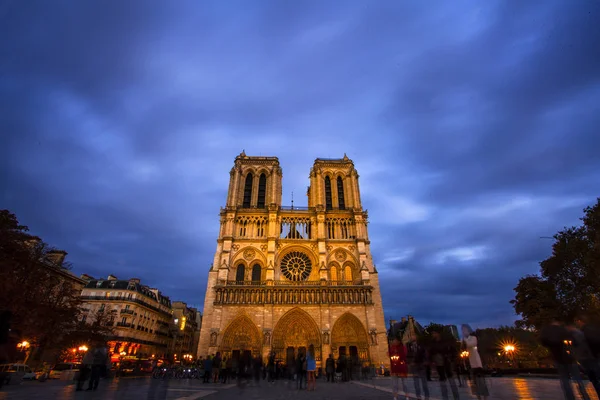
[
  {"x": 248, "y": 191},
  {"x": 239, "y": 274},
  {"x": 328, "y": 203},
  {"x": 262, "y": 191},
  {"x": 256, "y": 273},
  {"x": 348, "y": 274},
  {"x": 333, "y": 273},
  {"x": 340, "y": 187}
]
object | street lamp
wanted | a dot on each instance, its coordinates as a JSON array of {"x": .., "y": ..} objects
[{"x": 24, "y": 347}]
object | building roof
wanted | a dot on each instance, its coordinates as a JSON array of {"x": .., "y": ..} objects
[{"x": 129, "y": 285}]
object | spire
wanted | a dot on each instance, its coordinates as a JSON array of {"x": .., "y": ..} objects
[{"x": 292, "y": 200}]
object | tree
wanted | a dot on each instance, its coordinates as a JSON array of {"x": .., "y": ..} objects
[
  {"x": 44, "y": 306},
  {"x": 569, "y": 280}
]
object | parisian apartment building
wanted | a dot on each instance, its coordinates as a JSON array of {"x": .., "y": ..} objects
[{"x": 141, "y": 316}]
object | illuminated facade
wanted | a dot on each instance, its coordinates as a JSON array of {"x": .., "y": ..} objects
[
  {"x": 287, "y": 277},
  {"x": 186, "y": 325},
  {"x": 140, "y": 316}
]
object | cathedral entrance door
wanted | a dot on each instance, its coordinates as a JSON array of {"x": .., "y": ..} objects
[
  {"x": 343, "y": 350},
  {"x": 290, "y": 357}
]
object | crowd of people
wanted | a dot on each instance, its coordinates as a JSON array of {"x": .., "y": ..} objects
[{"x": 573, "y": 347}]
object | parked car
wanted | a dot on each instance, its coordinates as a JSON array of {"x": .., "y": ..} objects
[
  {"x": 16, "y": 372},
  {"x": 64, "y": 371}
]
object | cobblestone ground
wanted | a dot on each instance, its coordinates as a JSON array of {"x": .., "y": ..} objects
[
  {"x": 376, "y": 389},
  {"x": 500, "y": 388}
]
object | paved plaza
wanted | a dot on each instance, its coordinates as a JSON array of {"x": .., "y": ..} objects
[{"x": 376, "y": 389}]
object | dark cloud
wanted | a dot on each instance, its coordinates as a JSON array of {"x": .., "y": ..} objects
[{"x": 473, "y": 127}]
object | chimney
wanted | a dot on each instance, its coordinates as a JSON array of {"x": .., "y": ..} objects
[
  {"x": 57, "y": 257},
  {"x": 134, "y": 280},
  {"x": 111, "y": 277}
]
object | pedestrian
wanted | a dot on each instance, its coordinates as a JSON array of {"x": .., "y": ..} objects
[
  {"x": 300, "y": 368},
  {"x": 257, "y": 366},
  {"x": 330, "y": 368},
  {"x": 556, "y": 339},
  {"x": 208, "y": 365},
  {"x": 479, "y": 387},
  {"x": 441, "y": 354},
  {"x": 98, "y": 368},
  {"x": 584, "y": 356},
  {"x": 417, "y": 365},
  {"x": 398, "y": 367},
  {"x": 311, "y": 368},
  {"x": 85, "y": 369},
  {"x": 216, "y": 367}
]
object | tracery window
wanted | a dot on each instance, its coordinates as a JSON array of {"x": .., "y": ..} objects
[
  {"x": 340, "y": 188},
  {"x": 296, "y": 266},
  {"x": 347, "y": 273},
  {"x": 334, "y": 273},
  {"x": 239, "y": 274},
  {"x": 256, "y": 273},
  {"x": 328, "y": 201},
  {"x": 248, "y": 190},
  {"x": 262, "y": 190}
]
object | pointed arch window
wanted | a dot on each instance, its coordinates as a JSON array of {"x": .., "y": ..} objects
[
  {"x": 340, "y": 189},
  {"x": 239, "y": 274},
  {"x": 333, "y": 273},
  {"x": 328, "y": 202},
  {"x": 248, "y": 190},
  {"x": 262, "y": 191},
  {"x": 347, "y": 273},
  {"x": 256, "y": 273}
]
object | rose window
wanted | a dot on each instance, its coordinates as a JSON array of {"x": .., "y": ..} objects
[{"x": 296, "y": 266}]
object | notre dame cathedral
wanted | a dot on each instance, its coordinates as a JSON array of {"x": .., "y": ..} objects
[{"x": 287, "y": 277}]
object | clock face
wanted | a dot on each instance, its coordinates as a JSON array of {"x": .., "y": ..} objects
[{"x": 296, "y": 266}]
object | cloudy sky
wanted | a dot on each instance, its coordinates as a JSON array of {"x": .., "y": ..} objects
[{"x": 473, "y": 126}]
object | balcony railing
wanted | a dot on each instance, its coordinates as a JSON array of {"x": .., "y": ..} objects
[
  {"x": 126, "y": 299},
  {"x": 126, "y": 311},
  {"x": 124, "y": 324}
]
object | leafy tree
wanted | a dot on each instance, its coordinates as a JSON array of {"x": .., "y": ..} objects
[
  {"x": 569, "y": 280},
  {"x": 45, "y": 307},
  {"x": 528, "y": 351}
]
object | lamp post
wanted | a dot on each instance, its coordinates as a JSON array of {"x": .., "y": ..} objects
[
  {"x": 24, "y": 347},
  {"x": 509, "y": 350}
]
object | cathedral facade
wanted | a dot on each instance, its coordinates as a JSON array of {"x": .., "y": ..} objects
[{"x": 284, "y": 278}]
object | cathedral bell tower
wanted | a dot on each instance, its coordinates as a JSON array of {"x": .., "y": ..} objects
[{"x": 284, "y": 278}]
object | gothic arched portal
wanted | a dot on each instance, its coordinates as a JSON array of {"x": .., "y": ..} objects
[
  {"x": 350, "y": 337},
  {"x": 294, "y": 333},
  {"x": 241, "y": 336}
]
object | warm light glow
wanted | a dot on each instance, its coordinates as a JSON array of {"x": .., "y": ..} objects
[
  {"x": 123, "y": 353},
  {"x": 464, "y": 354},
  {"x": 183, "y": 319},
  {"x": 74, "y": 350},
  {"x": 395, "y": 358},
  {"x": 509, "y": 348},
  {"x": 153, "y": 356},
  {"x": 83, "y": 348},
  {"x": 23, "y": 344}
]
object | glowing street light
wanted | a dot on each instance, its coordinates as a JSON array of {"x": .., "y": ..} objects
[
  {"x": 83, "y": 348},
  {"x": 464, "y": 354},
  {"x": 509, "y": 348}
]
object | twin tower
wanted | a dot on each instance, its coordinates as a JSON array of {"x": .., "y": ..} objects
[{"x": 284, "y": 278}]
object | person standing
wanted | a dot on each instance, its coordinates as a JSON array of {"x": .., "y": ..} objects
[
  {"x": 417, "y": 366},
  {"x": 441, "y": 354},
  {"x": 100, "y": 355},
  {"x": 216, "y": 366},
  {"x": 555, "y": 338},
  {"x": 208, "y": 365},
  {"x": 330, "y": 368},
  {"x": 311, "y": 368},
  {"x": 300, "y": 369},
  {"x": 477, "y": 374},
  {"x": 85, "y": 369},
  {"x": 584, "y": 356},
  {"x": 398, "y": 367}
]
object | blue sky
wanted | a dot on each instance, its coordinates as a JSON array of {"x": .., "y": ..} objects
[{"x": 473, "y": 126}]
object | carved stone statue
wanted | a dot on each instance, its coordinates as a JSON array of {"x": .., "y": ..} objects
[
  {"x": 213, "y": 338},
  {"x": 267, "y": 336},
  {"x": 373, "y": 335},
  {"x": 326, "y": 337}
]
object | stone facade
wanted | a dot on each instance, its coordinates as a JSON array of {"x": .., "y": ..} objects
[{"x": 287, "y": 277}]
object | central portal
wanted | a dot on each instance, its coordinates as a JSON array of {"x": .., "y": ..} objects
[{"x": 294, "y": 333}]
